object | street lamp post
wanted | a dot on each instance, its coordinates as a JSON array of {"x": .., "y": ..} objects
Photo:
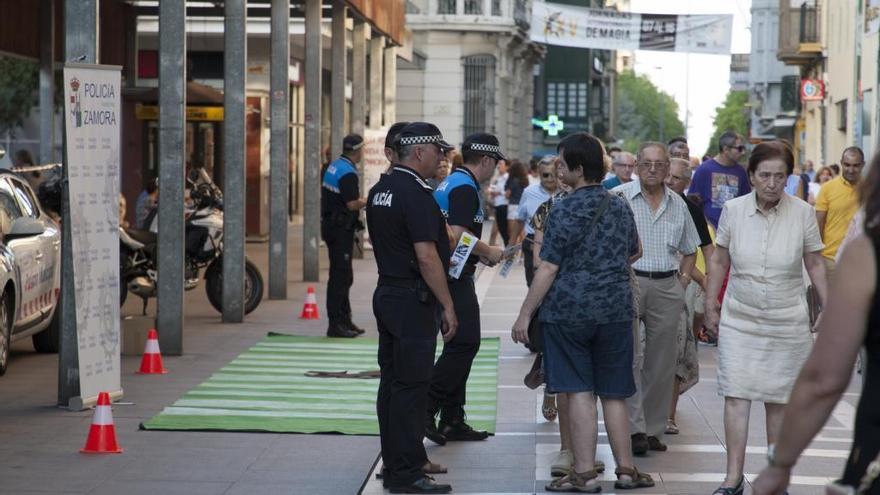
[
  {"x": 661, "y": 117},
  {"x": 662, "y": 140}
]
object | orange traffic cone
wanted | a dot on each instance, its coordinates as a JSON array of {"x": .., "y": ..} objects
[
  {"x": 310, "y": 308},
  {"x": 102, "y": 433},
  {"x": 151, "y": 363}
]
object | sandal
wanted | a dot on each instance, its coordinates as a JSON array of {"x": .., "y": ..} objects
[
  {"x": 549, "y": 410},
  {"x": 637, "y": 479},
  {"x": 576, "y": 482},
  {"x": 671, "y": 427},
  {"x": 731, "y": 490}
]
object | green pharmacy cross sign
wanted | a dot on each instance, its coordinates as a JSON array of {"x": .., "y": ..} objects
[{"x": 551, "y": 126}]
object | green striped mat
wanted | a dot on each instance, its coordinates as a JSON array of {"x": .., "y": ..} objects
[{"x": 265, "y": 389}]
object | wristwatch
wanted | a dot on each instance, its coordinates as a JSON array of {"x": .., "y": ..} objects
[{"x": 771, "y": 458}]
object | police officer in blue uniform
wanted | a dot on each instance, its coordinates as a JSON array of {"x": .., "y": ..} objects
[
  {"x": 341, "y": 203},
  {"x": 412, "y": 253},
  {"x": 459, "y": 197}
]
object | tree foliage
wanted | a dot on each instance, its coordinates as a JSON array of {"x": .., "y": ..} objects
[
  {"x": 639, "y": 104},
  {"x": 732, "y": 115},
  {"x": 19, "y": 80}
]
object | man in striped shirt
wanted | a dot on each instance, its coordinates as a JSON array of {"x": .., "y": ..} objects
[{"x": 669, "y": 244}]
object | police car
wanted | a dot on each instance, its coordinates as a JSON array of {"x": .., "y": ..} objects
[{"x": 30, "y": 269}]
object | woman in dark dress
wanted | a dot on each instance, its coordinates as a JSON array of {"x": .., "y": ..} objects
[{"x": 852, "y": 319}]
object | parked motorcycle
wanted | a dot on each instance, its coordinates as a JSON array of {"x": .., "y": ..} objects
[{"x": 204, "y": 250}]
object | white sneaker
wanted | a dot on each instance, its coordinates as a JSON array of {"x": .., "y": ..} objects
[{"x": 562, "y": 463}]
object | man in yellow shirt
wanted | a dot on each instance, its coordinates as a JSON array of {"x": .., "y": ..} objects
[{"x": 837, "y": 203}]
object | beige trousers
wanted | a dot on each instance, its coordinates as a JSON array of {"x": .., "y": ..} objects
[{"x": 661, "y": 304}]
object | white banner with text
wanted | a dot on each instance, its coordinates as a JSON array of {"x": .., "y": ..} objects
[
  {"x": 92, "y": 97},
  {"x": 607, "y": 29}
]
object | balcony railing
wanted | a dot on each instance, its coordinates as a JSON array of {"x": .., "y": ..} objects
[
  {"x": 809, "y": 32},
  {"x": 800, "y": 35}
]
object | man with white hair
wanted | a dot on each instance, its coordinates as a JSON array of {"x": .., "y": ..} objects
[
  {"x": 622, "y": 165},
  {"x": 669, "y": 242}
]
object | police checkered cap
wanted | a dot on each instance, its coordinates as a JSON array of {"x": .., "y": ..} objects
[
  {"x": 483, "y": 143},
  {"x": 421, "y": 133},
  {"x": 393, "y": 131}
]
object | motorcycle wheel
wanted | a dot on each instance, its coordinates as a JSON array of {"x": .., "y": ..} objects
[{"x": 253, "y": 285}]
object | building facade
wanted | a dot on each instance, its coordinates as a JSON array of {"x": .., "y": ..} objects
[
  {"x": 773, "y": 86},
  {"x": 471, "y": 70},
  {"x": 577, "y": 87},
  {"x": 836, "y": 54},
  {"x": 205, "y": 67},
  {"x": 739, "y": 72}
]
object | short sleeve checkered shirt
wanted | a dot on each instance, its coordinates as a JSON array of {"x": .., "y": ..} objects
[{"x": 666, "y": 234}]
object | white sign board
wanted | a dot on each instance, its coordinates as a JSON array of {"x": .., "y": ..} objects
[
  {"x": 608, "y": 29},
  {"x": 92, "y": 96}
]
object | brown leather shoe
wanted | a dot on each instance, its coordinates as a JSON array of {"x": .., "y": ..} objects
[
  {"x": 654, "y": 443},
  {"x": 640, "y": 444}
]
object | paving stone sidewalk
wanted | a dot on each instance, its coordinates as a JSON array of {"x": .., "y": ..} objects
[{"x": 39, "y": 443}]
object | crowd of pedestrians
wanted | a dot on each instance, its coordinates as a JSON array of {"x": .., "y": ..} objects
[
  {"x": 721, "y": 249},
  {"x": 630, "y": 258}
]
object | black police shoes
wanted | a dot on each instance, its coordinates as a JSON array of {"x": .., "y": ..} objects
[
  {"x": 354, "y": 328},
  {"x": 462, "y": 432},
  {"x": 423, "y": 485},
  {"x": 340, "y": 330},
  {"x": 432, "y": 433}
]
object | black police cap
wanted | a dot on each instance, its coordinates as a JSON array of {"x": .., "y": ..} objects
[
  {"x": 421, "y": 133},
  {"x": 393, "y": 131},
  {"x": 484, "y": 144},
  {"x": 352, "y": 142}
]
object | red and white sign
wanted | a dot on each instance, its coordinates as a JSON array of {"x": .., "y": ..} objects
[{"x": 812, "y": 90}]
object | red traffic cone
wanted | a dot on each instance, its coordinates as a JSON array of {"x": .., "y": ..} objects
[
  {"x": 102, "y": 433},
  {"x": 151, "y": 363},
  {"x": 310, "y": 308}
]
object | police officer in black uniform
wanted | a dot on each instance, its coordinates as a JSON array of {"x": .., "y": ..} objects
[
  {"x": 340, "y": 206},
  {"x": 390, "y": 149},
  {"x": 412, "y": 252},
  {"x": 459, "y": 197}
]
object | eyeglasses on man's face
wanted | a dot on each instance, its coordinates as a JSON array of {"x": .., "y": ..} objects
[
  {"x": 548, "y": 175},
  {"x": 657, "y": 165}
]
